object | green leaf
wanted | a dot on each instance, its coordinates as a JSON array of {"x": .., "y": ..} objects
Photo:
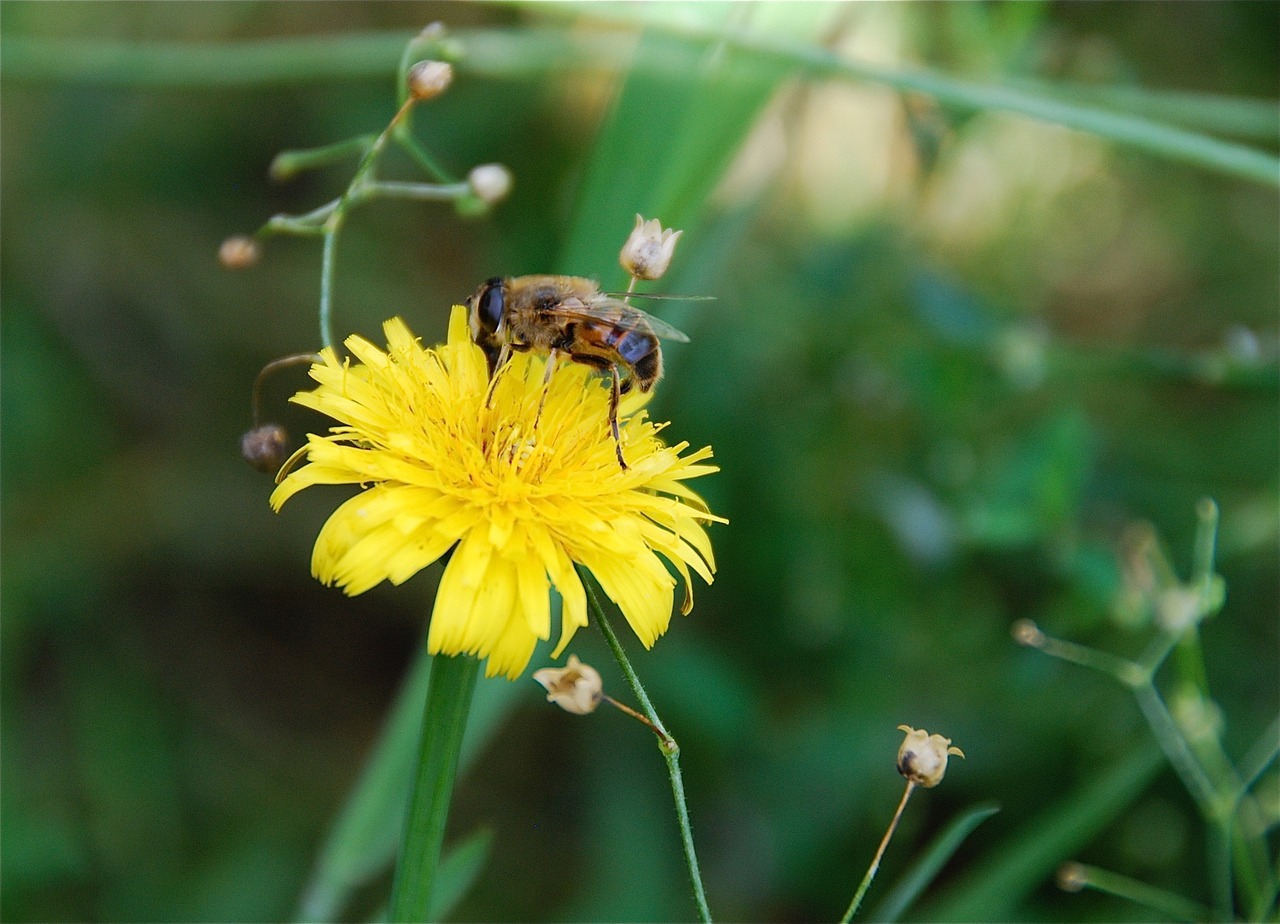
[
  {"x": 458, "y": 871},
  {"x": 672, "y": 130},
  {"x": 918, "y": 877},
  {"x": 999, "y": 884}
]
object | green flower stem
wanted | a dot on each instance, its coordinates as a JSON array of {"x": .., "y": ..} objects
[
  {"x": 421, "y": 156},
  {"x": 667, "y": 744},
  {"x": 327, "y": 261},
  {"x": 444, "y": 720},
  {"x": 289, "y": 163},
  {"x": 875, "y": 861},
  {"x": 428, "y": 192}
]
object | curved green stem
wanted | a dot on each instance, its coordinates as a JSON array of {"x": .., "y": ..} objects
[
  {"x": 667, "y": 744},
  {"x": 326, "y": 283},
  {"x": 444, "y": 722}
]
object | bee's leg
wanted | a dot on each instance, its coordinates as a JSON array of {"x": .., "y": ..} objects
[
  {"x": 553, "y": 357},
  {"x": 615, "y": 394},
  {"x": 504, "y": 354}
]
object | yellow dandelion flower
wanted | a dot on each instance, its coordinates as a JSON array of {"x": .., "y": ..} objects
[{"x": 519, "y": 497}]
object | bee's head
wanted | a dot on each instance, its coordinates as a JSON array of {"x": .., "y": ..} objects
[{"x": 487, "y": 306}]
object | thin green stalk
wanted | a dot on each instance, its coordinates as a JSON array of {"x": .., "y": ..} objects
[
  {"x": 326, "y": 280},
  {"x": 421, "y": 156},
  {"x": 667, "y": 744},
  {"x": 1168, "y": 904},
  {"x": 423, "y": 192},
  {"x": 287, "y": 164},
  {"x": 1220, "y": 869},
  {"x": 875, "y": 861},
  {"x": 1260, "y": 756},
  {"x": 444, "y": 722},
  {"x": 335, "y": 221},
  {"x": 1177, "y": 750}
]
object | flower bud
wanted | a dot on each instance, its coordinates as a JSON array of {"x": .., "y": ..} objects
[
  {"x": 263, "y": 447},
  {"x": 922, "y": 759},
  {"x": 647, "y": 252},
  {"x": 239, "y": 252},
  {"x": 428, "y": 79},
  {"x": 490, "y": 182},
  {"x": 575, "y": 688}
]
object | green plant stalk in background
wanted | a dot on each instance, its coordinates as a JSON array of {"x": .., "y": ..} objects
[
  {"x": 528, "y": 50},
  {"x": 1188, "y": 734}
]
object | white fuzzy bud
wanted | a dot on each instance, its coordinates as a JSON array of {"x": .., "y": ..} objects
[
  {"x": 647, "y": 252},
  {"x": 490, "y": 182}
]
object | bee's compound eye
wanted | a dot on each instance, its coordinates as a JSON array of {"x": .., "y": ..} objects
[{"x": 491, "y": 303}]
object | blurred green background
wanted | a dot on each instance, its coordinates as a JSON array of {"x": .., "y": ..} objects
[{"x": 955, "y": 355}]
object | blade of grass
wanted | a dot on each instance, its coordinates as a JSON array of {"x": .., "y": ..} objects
[
  {"x": 673, "y": 131},
  {"x": 1130, "y": 129},
  {"x": 458, "y": 871},
  {"x": 923, "y": 871},
  {"x": 523, "y": 52},
  {"x": 999, "y": 884}
]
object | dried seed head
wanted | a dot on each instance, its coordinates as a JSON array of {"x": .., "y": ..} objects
[
  {"x": 922, "y": 759},
  {"x": 647, "y": 252},
  {"x": 428, "y": 79},
  {"x": 575, "y": 688},
  {"x": 239, "y": 252},
  {"x": 490, "y": 183},
  {"x": 263, "y": 447}
]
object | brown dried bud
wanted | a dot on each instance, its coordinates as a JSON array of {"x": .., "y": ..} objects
[
  {"x": 263, "y": 447},
  {"x": 575, "y": 688},
  {"x": 239, "y": 252},
  {"x": 428, "y": 79},
  {"x": 922, "y": 759}
]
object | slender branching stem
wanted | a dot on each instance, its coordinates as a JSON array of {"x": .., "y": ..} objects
[{"x": 666, "y": 744}]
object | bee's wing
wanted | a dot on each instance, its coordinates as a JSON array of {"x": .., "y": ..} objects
[
  {"x": 664, "y": 296},
  {"x": 606, "y": 310}
]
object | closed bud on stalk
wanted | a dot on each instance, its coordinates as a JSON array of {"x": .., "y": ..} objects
[
  {"x": 490, "y": 182},
  {"x": 428, "y": 79},
  {"x": 647, "y": 252},
  {"x": 263, "y": 447},
  {"x": 922, "y": 759},
  {"x": 239, "y": 252}
]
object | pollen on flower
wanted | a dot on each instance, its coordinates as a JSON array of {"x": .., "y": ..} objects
[{"x": 521, "y": 482}]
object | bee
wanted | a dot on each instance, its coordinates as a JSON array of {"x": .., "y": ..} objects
[{"x": 569, "y": 315}]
